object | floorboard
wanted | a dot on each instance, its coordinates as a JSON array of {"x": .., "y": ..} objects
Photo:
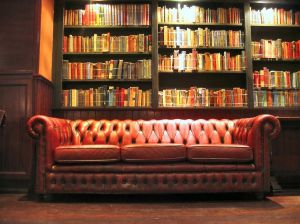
[{"x": 149, "y": 209}]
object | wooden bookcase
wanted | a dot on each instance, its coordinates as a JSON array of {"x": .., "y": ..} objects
[{"x": 161, "y": 80}]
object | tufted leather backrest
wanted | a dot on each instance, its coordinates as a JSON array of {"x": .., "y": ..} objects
[{"x": 126, "y": 132}]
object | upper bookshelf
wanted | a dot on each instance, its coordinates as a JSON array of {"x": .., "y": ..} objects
[
  {"x": 106, "y": 52},
  {"x": 275, "y": 54}
]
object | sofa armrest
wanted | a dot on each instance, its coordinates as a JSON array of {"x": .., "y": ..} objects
[
  {"x": 258, "y": 132},
  {"x": 50, "y": 133}
]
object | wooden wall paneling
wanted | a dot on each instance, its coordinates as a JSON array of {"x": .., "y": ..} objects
[
  {"x": 42, "y": 95},
  {"x": 17, "y": 20},
  {"x": 16, "y": 145},
  {"x": 102, "y": 114},
  {"x": 286, "y": 154}
]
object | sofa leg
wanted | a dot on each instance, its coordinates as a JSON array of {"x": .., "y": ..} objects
[
  {"x": 45, "y": 197},
  {"x": 260, "y": 195}
]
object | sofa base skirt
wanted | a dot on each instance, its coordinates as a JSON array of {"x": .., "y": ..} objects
[{"x": 112, "y": 183}]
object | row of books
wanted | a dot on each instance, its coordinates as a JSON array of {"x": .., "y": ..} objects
[
  {"x": 183, "y": 62},
  {"x": 276, "y": 49},
  {"x": 275, "y": 16},
  {"x": 177, "y": 37},
  {"x": 112, "y": 69},
  {"x": 108, "y": 14},
  {"x": 276, "y": 98},
  {"x": 106, "y": 96},
  {"x": 107, "y": 43},
  {"x": 197, "y": 14},
  {"x": 276, "y": 79},
  {"x": 202, "y": 97}
]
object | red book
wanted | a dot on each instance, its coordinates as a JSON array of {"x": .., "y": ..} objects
[
  {"x": 86, "y": 15},
  {"x": 256, "y": 79},
  {"x": 65, "y": 44}
]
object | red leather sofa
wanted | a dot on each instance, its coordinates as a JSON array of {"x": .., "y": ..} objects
[{"x": 155, "y": 156}]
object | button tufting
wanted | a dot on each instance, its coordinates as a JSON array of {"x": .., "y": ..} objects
[
  {"x": 103, "y": 180},
  {"x": 234, "y": 180},
  {"x": 63, "y": 181},
  {"x": 165, "y": 180},
  {"x": 214, "y": 180},
  {"x": 224, "y": 180},
  {"x": 145, "y": 181},
  {"x": 195, "y": 181},
  {"x": 83, "y": 181},
  {"x": 175, "y": 181},
  {"x": 53, "y": 181},
  {"x": 184, "y": 181},
  {"x": 74, "y": 180}
]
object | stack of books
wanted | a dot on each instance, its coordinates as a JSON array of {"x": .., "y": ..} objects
[
  {"x": 194, "y": 61},
  {"x": 177, "y": 37},
  {"x": 276, "y": 49},
  {"x": 276, "y": 79},
  {"x": 108, "y": 15},
  {"x": 112, "y": 69},
  {"x": 276, "y": 98},
  {"x": 136, "y": 43},
  {"x": 197, "y": 14},
  {"x": 106, "y": 96},
  {"x": 275, "y": 16},
  {"x": 203, "y": 97}
]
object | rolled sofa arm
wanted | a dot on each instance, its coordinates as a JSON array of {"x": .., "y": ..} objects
[
  {"x": 257, "y": 133},
  {"x": 50, "y": 132}
]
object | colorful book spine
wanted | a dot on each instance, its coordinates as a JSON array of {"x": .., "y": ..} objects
[
  {"x": 274, "y": 16},
  {"x": 202, "y": 97},
  {"x": 276, "y": 49},
  {"x": 106, "y": 43},
  {"x": 106, "y": 96},
  {"x": 108, "y": 15},
  {"x": 177, "y": 37},
  {"x": 276, "y": 98},
  {"x": 112, "y": 69},
  {"x": 197, "y": 14},
  {"x": 194, "y": 61},
  {"x": 276, "y": 79}
]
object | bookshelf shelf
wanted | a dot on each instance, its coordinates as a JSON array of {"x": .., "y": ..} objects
[
  {"x": 108, "y": 27},
  {"x": 106, "y": 53},
  {"x": 200, "y": 72},
  {"x": 103, "y": 108},
  {"x": 274, "y": 26},
  {"x": 106, "y": 80},
  {"x": 200, "y": 24},
  {"x": 202, "y": 48},
  {"x": 163, "y": 57},
  {"x": 204, "y": 108},
  {"x": 274, "y": 60},
  {"x": 274, "y": 88}
]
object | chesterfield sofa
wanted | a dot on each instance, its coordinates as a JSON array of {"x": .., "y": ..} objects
[{"x": 154, "y": 156}]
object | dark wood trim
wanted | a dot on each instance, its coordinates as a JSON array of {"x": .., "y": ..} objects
[
  {"x": 36, "y": 39},
  {"x": 249, "y": 66},
  {"x": 16, "y": 72},
  {"x": 57, "y": 55},
  {"x": 154, "y": 69}
]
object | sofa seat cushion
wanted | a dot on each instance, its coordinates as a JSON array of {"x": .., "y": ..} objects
[
  {"x": 153, "y": 153},
  {"x": 87, "y": 153},
  {"x": 219, "y": 153}
]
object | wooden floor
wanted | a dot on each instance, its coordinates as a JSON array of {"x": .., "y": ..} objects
[{"x": 148, "y": 209}]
